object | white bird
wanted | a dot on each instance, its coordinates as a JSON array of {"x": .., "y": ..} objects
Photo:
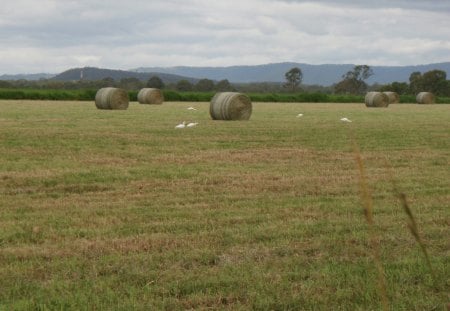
[
  {"x": 345, "y": 120},
  {"x": 192, "y": 124},
  {"x": 181, "y": 125},
  {"x": 300, "y": 115},
  {"x": 191, "y": 108}
]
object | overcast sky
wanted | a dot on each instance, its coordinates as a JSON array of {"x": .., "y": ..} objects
[{"x": 54, "y": 35}]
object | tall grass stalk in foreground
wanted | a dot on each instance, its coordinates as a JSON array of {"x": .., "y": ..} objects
[
  {"x": 412, "y": 224},
  {"x": 374, "y": 240}
]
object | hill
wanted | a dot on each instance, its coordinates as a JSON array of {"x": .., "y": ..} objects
[
  {"x": 326, "y": 74},
  {"x": 92, "y": 73}
]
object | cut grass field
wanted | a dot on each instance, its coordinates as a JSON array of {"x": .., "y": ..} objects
[{"x": 118, "y": 210}]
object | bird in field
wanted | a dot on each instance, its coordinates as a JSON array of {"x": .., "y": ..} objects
[
  {"x": 191, "y": 124},
  {"x": 182, "y": 125},
  {"x": 300, "y": 115},
  {"x": 191, "y": 108},
  {"x": 345, "y": 120}
]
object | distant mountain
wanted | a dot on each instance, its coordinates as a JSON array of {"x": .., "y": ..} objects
[
  {"x": 33, "y": 76},
  {"x": 92, "y": 73},
  {"x": 327, "y": 74}
]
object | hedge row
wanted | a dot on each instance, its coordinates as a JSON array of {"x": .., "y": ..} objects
[
  {"x": 47, "y": 94},
  {"x": 89, "y": 95}
]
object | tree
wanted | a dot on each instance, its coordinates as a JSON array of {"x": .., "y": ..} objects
[
  {"x": 106, "y": 82},
  {"x": 204, "y": 85},
  {"x": 224, "y": 85},
  {"x": 184, "y": 86},
  {"x": 398, "y": 87},
  {"x": 415, "y": 82},
  {"x": 130, "y": 83},
  {"x": 435, "y": 81},
  {"x": 155, "y": 82},
  {"x": 353, "y": 81},
  {"x": 294, "y": 78},
  {"x": 346, "y": 86},
  {"x": 359, "y": 73},
  {"x": 5, "y": 84},
  {"x": 447, "y": 89}
]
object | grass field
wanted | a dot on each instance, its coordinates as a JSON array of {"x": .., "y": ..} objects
[{"x": 104, "y": 210}]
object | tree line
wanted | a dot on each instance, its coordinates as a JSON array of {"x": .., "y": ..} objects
[
  {"x": 434, "y": 81},
  {"x": 353, "y": 82},
  {"x": 130, "y": 84}
]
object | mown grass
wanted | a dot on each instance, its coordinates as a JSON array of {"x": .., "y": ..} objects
[{"x": 118, "y": 210}]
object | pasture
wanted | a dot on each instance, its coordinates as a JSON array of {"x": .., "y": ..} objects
[{"x": 118, "y": 210}]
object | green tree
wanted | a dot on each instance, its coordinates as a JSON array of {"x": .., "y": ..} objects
[
  {"x": 435, "y": 81},
  {"x": 293, "y": 78},
  {"x": 346, "y": 86},
  {"x": 204, "y": 85},
  {"x": 54, "y": 84},
  {"x": 5, "y": 84},
  {"x": 224, "y": 85},
  {"x": 106, "y": 82},
  {"x": 359, "y": 72},
  {"x": 401, "y": 88},
  {"x": 415, "y": 82},
  {"x": 130, "y": 83},
  {"x": 184, "y": 86},
  {"x": 353, "y": 82},
  {"x": 155, "y": 82},
  {"x": 447, "y": 88}
]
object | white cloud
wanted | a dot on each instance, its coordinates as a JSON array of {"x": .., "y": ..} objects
[{"x": 52, "y": 36}]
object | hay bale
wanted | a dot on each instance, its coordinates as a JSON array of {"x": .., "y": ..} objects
[
  {"x": 150, "y": 96},
  {"x": 230, "y": 106},
  {"x": 393, "y": 97},
  {"x": 425, "y": 98},
  {"x": 111, "y": 98},
  {"x": 376, "y": 99}
]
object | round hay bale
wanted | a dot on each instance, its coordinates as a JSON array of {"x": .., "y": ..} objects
[
  {"x": 230, "y": 106},
  {"x": 111, "y": 98},
  {"x": 150, "y": 96},
  {"x": 376, "y": 99},
  {"x": 393, "y": 97},
  {"x": 425, "y": 98}
]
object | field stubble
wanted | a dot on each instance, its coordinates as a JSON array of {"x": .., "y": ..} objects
[{"x": 118, "y": 210}]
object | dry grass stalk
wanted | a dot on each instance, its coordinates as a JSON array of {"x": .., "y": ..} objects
[
  {"x": 425, "y": 98},
  {"x": 412, "y": 224},
  {"x": 374, "y": 240},
  {"x": 111, "y": 98},
  {"x": 150, "y": 96},
  {"x": 230, "y": 106},
  {"x": 376, "y": 99}
]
